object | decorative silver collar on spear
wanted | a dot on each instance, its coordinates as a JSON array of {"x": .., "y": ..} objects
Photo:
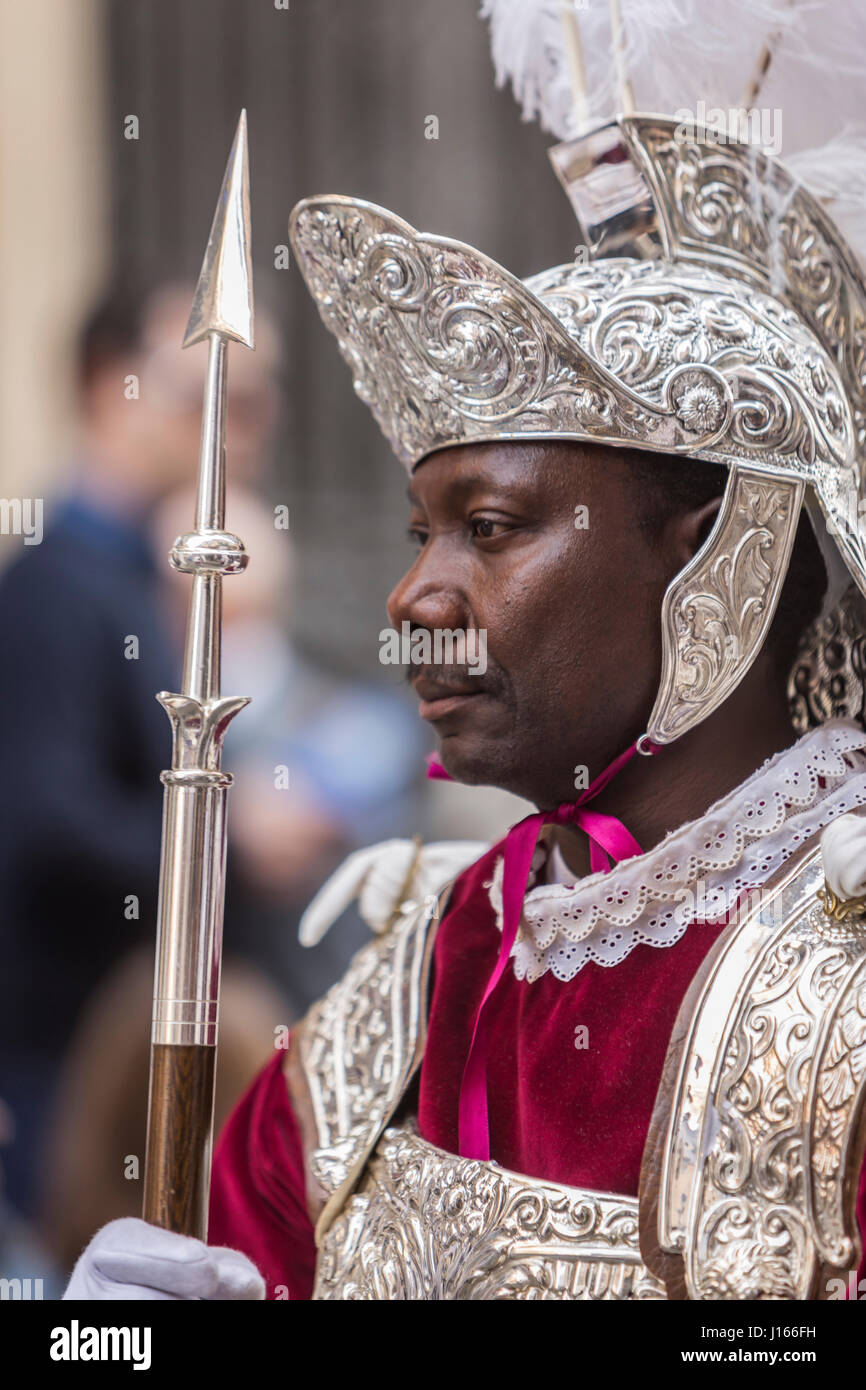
[{"x": 192, "y": 863}]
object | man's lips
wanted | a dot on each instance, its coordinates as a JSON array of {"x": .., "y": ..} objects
[{"x": 439, "y": 699}]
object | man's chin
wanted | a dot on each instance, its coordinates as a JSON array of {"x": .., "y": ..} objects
[
  {"x": 474, "y": 760},
  {"x": 485, "y": 761}
]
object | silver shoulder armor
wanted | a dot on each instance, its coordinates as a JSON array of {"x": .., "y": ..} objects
[
  {"x": 356, "y": 1052},
  {"x": 759, "y": 1122}
]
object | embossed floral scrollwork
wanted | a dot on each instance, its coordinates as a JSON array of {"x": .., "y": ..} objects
[
  {"x": 428, "y": 1224},
  {"x": 828, "y": 679},
  {"x": 717, "y": 610},
  {"x": 748, "y": 1257},
  {"x": 714, "y": 196},
  {"x": 701, "y": 399},
  {"x": 397, "y": 274},
  {"x": 445, "y": 346}
]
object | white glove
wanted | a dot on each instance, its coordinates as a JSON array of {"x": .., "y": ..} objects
[
  {"x": 843, "y": 850},
  {"x": 393, "y": 876},
  {"x": 130, "y": 1259}
]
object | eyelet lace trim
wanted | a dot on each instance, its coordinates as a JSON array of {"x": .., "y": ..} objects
[{"x": 696, "y": 872}]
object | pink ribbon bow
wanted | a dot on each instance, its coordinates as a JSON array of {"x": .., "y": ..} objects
[{"x": 608, "y": 839}]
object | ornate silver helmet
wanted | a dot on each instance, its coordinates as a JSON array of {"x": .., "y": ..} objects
[{"x": 714, "y": 311}]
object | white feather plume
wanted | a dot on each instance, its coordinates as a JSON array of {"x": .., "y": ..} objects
[
  {"x": 836, "y": 174},
  {"x": 528, "y": 50},
  {"x": 685, "y": 55},
  {"x": 675, "y": 51}
]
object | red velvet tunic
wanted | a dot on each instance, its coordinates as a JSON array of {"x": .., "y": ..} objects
[{"x": 566, "y": 1114}]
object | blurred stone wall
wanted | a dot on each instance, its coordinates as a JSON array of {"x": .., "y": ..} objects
[{"x": 53, "y": 227}]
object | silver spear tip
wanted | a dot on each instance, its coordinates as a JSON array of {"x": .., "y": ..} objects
[{"x": 223, "y": 301}]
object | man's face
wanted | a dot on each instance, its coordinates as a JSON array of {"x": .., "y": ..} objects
[{"x": 570, "y": 601}]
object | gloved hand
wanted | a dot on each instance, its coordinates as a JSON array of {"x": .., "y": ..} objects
[{"x": 130, "y": 1259}]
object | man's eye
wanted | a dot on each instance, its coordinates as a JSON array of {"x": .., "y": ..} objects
[
  {"x": 486, "y": 528},
  {"x": 417, "y": 536}
]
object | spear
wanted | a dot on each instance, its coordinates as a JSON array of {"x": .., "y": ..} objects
[{"x": 192, "y": 862}]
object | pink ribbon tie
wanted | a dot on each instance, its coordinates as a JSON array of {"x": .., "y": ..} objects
[{"x": 608, "y": 840}]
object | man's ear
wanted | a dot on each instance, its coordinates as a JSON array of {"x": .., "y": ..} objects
[{"x": 691, "y": 528}]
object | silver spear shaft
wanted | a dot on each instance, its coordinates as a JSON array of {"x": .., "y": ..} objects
[{"x": 192, "y": 864}]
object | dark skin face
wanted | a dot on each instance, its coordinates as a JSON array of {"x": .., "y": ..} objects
[{"x": 572, "y": 618}]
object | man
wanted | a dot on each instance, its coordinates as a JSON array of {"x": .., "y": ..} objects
[{"x": 555, "y": 1078}]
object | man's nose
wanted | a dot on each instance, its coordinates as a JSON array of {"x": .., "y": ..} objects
[{"x": 426, "y": 598}]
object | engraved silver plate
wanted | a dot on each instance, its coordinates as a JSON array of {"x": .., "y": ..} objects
[
  {"x": 359, "y": 1047},
  {"x": 828, "y": 680},
  {"x": 426, "y": 1224},
  {"x": 771, "y": 1082},
  {"x": 447, "y": 347},
  {"x": 718, "y": 610}
]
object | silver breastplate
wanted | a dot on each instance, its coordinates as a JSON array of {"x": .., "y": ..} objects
[
  {"x": 750, "y": 1171},
  {"x": 425, "y": 1224}
]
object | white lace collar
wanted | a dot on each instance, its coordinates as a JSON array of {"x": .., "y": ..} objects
[{"x": 699, "y": 869}]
